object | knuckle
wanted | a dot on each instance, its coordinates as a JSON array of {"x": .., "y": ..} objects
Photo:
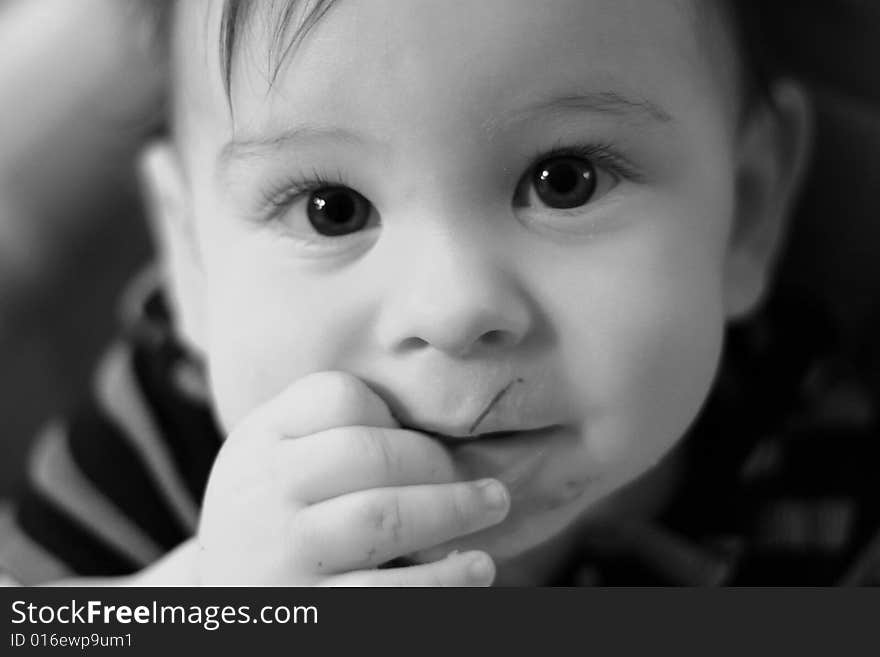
[
  {"x": 461, "y": 508},
  {"x": 385, "y": 518},
  {"x": 331, "y": 442},
  {"x": 344, "y": 392},
  {"x": 378, "y": 450}
]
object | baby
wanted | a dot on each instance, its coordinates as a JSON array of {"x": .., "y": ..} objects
[{"x": 459, "y": 273}]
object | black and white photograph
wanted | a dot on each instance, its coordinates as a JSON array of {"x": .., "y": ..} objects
[{"x": 439, "y": 293}]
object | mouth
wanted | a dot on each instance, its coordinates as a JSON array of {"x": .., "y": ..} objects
[
  {"x": 514, "y": 457},
  {"x": 508, "y": 448},
  {"x": 453, "y": 441}
]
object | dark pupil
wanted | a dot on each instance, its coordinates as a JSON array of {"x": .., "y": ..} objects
[
  {"x": 565, "y": 182},
  {"x": 338, "y": 211}
]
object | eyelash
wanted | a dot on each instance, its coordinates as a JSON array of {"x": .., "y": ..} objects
[
  {"x": 601, "y": 154},
  {"x": 278, "y": 197}
]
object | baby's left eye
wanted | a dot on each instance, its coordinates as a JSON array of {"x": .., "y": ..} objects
[{"x": 562, "y": 182}]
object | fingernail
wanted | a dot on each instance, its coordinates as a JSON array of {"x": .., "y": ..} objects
[
  {"x": 493, "y": 492},
  {"x": 480, "y": 568}
]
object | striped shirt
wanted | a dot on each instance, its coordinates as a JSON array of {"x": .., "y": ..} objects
[
  {"x": 780, "y": 487},
  {"x": 118, "y": 483}
]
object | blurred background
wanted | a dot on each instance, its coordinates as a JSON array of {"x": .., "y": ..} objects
[
  {"x": 81, "y": 84},
  {"x": 81, "y": 89}
]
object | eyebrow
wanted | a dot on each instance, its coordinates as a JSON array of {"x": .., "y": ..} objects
[
  {"x": 301, "y": 136},
  {"x": 611, "y": 103}
]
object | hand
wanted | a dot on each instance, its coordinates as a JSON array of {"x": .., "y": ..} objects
[{"x": 319, "y": 486}]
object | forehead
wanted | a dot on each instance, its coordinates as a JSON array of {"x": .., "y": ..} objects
[{"x": 381, "y": 57}]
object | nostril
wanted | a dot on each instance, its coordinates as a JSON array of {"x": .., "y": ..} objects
[
  {"x": 493, "y": 338},
  {"x": 413, "y": 344}
]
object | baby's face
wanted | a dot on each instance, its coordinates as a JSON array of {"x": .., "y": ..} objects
[{"x": 526, "y": 203}]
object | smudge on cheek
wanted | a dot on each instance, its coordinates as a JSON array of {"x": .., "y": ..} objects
[{"x": 572, "y": 489}]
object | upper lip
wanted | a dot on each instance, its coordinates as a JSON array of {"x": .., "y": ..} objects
[
  {"x": 480, "y": 409},
  {"x": 492, "y": 423}
]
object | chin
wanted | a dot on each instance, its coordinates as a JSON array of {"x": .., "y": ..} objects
[{"x": 524, "y": 530}]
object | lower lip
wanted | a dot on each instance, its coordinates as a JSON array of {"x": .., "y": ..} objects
[{"x": 513, "y": 460}]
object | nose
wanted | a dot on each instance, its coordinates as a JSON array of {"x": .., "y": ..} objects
[{"x": 456, "y": 300}]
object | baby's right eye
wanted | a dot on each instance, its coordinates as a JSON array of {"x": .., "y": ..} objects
[
  {"x": 320, "y": 216},
  {"x": 337, "y": 211}
]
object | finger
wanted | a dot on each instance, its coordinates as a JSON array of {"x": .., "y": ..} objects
[
  {"x": 367, "y": 528},
  {"x": 467, "y": 569},
  {"x": 315, "y": 403},
  {"x": 349, "y": 459}
]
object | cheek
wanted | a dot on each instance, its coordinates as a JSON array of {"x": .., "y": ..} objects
[
  {"x": 641, "y": 342},
  {"x": 269, "y": 324}
]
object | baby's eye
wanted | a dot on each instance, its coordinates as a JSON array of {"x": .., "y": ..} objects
[
  {"x": 562, "y": 182},
  {"x": 337, "y": 211}
]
